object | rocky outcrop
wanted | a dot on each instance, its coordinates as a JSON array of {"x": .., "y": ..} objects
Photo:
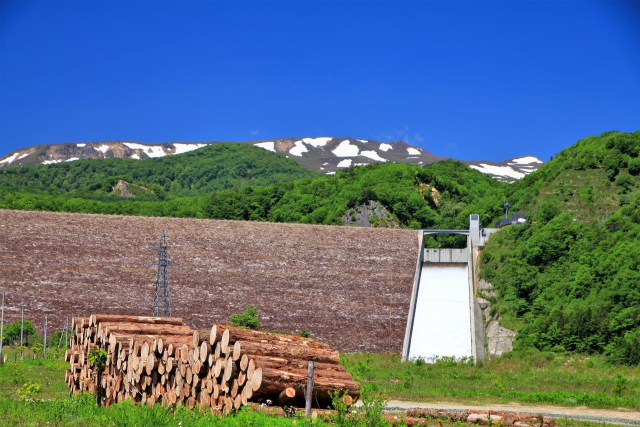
[
  {"x": 121, "y": 189},
  {"x": 499, "y": 339},
  {"x": 370, "y": 214}
]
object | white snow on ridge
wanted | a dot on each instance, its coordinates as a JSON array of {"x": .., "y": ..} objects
[
  {"x": 81, "y": 145},
  {"x": 185, "y": 148},
  {"x": 103, "y": 148},
  {"x": 363, "y": 140},
  {"x": 149, "y": 150},
  {"x": 298, "y": 149},
  {"x": 372, "y": 155},
  {"x": 345, "y": 149},
  {"x": 48, "y": 162},
  {"x": 268, "y": 145},
  {"x": 331, "y": 173},
  {"x": 498, "y": 170},
  {"x": 413, "y": 151},
  {"x": 135, "y": 156},
  {"x": 344, "y": 163},
  {"x": 386, "y": 147},
  {"x": 11, "y": 158},
  {"x": 72, "y": 159},
  {"x": 525, "y": 160},
  {"x": 317, "y": 142}
]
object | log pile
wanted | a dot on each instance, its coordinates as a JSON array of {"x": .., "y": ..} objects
[{"x": 160, "y": 360}]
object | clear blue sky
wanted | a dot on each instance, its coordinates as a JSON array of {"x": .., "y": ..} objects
[{"x": 472, "y": 80}]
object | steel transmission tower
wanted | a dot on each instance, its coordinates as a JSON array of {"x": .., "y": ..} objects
[{"x": 162, "y": 298}]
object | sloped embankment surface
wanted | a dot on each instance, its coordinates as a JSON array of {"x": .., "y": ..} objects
[{"x": 347, "y": 286}]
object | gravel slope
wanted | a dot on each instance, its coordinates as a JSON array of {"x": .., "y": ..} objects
[{"x": 347, "y": 286}]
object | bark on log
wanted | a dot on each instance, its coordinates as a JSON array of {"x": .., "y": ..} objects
[
  {"x": 282, "y": 351},
  {"x": 94, "y": 319}
]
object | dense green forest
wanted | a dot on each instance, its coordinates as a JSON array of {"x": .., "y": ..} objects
[
  {"x": 211, "y": 168},
  {"x": 441, "y": 194},
  {"x": 568, "y": 279}
]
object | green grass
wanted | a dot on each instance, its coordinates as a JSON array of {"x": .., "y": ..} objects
[
  {"x": 82, "y": 411},
  {"x": 536, "y": 378},
  {"x": 47, "y": 373}
]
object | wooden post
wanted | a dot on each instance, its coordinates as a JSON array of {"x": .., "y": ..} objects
[
  {"x": 66, "y": 333},
  {"x": 2, "y": 330},
  {"x": 62, "y": 335},
  {"x": 22, "y": 330},
  {"x": 309, "y": 391},
  {"x": 44, "y": 350}
]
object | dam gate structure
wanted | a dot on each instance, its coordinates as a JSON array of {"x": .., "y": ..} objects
[{"x": 445, "y": 319}]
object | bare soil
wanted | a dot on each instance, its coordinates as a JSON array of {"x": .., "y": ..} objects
[{"x": 347, "y": 286}]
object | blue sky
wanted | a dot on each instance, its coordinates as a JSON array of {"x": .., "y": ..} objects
[{"x": 471, "y": 80}]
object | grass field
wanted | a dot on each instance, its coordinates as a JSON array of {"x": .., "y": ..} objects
[
  {"x": 538, "y": 378},
  {"x": 33, "y": 392}
]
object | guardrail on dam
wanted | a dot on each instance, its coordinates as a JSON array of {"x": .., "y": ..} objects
[{"x": 445, "y": 320}]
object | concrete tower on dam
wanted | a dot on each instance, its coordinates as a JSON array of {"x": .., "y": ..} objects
[{"x": 445, "y": 319}]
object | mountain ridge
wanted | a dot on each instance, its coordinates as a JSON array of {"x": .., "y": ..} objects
[{"x": 324, "y": 154}]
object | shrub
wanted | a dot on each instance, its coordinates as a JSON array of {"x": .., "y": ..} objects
[{"x": 248, "y": 319}]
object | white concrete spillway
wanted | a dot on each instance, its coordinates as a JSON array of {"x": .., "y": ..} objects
[
  {"x": 445, "y": 320},
  {"x": 442, "y": 320}
]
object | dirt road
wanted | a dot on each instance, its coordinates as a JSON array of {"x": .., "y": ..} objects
[{"x": 609, "y": 416}]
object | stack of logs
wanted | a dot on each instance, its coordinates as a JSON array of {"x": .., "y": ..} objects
[{"x": 160, "y": 360}]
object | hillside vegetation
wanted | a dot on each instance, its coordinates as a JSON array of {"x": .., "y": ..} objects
[
  {"x": 570, "y": 280},
  {"x": 442, "y": 194},
  {"x": 211, "y": 168}
]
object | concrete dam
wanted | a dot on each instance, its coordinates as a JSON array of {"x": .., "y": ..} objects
[{"x": 445, "y": 319}]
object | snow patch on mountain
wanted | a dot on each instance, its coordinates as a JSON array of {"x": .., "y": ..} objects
[
  {"x": 506, "y": 171},
  {"x": 345, "y": 149},
  {"x": 345, "y": 163},
  {"x": 81, "y": 145},
  {"x": 372, "y": 155},
  {"x": 185, "y": 148},
  {"x": 413, "y": 151},
  {"x": 385, "y": 147},
  {"x": 269, "y": 145},
  {"x": 103, "y": 148},
  {"x": 525, "y": 160},
  {"x": 14, "y": 157},
  {"x": 149, "y": 150},
  {"x": 298, "y": 149},
  {"x": 317, "y": 142}
]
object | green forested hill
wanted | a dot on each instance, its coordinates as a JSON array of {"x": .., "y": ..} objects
[
  {"x": 570, "y": 281},
  {"x": 441, "y": 194},
  {"x": 211, "y": 168}
]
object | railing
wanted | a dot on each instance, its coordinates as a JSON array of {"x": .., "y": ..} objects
[{"x": 447, "y": 255}]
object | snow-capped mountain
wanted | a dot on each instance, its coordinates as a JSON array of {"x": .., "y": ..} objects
[
  {"x": 68, "y": 152},
  {"x": 325, "y": 154}
]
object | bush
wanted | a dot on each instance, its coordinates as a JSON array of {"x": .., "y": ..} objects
[
  {"x": 12, "y": 333},
  {"x": 248, "y": 319}
]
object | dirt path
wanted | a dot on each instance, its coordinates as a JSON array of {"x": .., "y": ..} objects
[{"x": 620, "y": 417}]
